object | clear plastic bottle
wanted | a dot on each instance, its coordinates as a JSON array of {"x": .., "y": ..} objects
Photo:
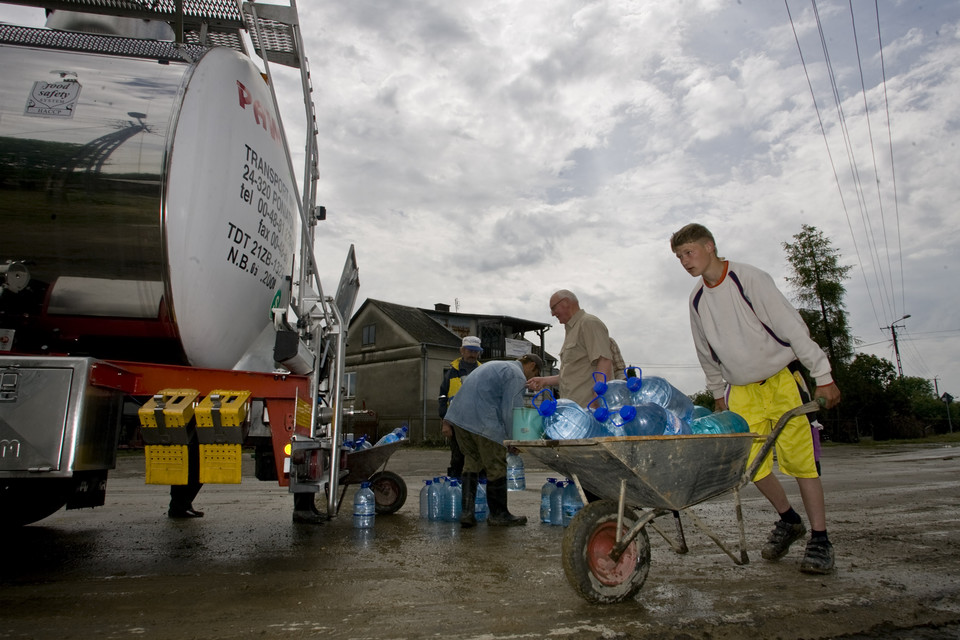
[
  {"x": 425, "y": 500},
  {"x": 699, "y": 412},
  {"x": 362, "y": 443},
  {"x": 649, "y": 420},
  {"x": 721, "y": 422},
  {"x": 546, "y": 492},
  {"x": 435, "y": 500},
  {"x": 480, "y": 508},
  {"x": 616, "y": 393},
  {"x": 556, "y": 505},
  {"x": 620, "y": 423},
  {"x": 398, "y": 434},
  {"x": 516, "y": 480},
  {"x": 566, "y": 420},
  {"x": 364, "y": 507},
  {"x": 658, "y": 391},
  {"x": 452, "y": 502},
  {"x": 571, "y": 502}
]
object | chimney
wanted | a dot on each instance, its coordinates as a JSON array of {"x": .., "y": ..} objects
[{"x": 439, "y": 306}]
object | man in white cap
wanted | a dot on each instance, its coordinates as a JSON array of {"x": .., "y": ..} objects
[{"x": 469, "y": 360}]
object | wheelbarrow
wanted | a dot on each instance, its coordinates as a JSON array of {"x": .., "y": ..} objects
[
  {"x": 369, "y": 465},
  {"x": 637, "y": 479}
]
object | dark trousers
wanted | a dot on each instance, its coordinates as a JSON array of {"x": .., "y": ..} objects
[{"x": 182, "y": 495}]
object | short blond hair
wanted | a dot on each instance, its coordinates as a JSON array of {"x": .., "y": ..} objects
[{"x": 692, "y": 232}]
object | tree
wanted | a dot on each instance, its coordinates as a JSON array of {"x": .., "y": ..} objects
[{"x": 817, "y": 283}]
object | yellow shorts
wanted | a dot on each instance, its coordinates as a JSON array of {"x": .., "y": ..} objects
[{"x": 762, "y": 404}]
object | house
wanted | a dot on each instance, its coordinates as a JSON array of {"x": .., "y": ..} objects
[{"x": 397, "y": 355}]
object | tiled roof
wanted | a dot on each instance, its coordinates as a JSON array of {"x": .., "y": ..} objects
[{"x": 418, "y": 324}]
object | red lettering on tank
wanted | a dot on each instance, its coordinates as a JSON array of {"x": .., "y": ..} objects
[{"x": 244, "y": 95}]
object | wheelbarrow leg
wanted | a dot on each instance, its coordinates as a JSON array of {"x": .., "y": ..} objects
[
  {"x": 679, "y": 545},
  {"x": 744, "y": 558},
  {"x": 716, "y": 540}
]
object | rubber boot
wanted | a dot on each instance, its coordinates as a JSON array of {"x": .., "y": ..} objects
[
  {"x": 497, "y": 500},
  {"x": 467, "y": 517},
  {"x": 304, "y": 509}
]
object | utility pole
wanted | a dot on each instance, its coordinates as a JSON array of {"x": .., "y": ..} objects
[{"x": 896, "y": 347}]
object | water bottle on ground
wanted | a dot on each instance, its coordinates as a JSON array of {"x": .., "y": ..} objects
[
  {"x": 453, "y": 502},
  {"x": 434, "y": 500},
  {"x": 721, "y": 422},
  {"x": 556, "y": 504},
  {"x": 364, "y": 507},
  {"x": 571, "y": 502},
  {"x": 425, "y": 500},
  {"x": 658, "y": 391},
  {"x": 480, "y": 508},
  {"x": 516, "y": 480},
  {"x": 566, "y": 420},
  {"x": 546, "y": 492}
]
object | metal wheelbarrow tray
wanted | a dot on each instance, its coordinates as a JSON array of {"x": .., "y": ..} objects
[
  {"x": 606, "y": 548},
  {"x": 389, "y": 489}
]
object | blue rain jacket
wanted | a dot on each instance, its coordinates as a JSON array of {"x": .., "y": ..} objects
[{"x": 484, "y": 405}]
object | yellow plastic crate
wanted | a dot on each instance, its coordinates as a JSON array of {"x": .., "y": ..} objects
[
  {"x": 177, "y": 409},
  {"x": 220, "y": 463},
  {"x": 233, "y": 408},
  {"x": 166, "y": 464}
]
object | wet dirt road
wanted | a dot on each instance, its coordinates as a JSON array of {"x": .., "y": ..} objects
[{"x": 244, "y": 571}]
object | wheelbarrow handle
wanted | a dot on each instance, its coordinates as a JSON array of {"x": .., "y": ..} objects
[{"x": 809, "y": 407}]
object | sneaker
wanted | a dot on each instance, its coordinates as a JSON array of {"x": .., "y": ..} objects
[
  {"x": 818, "y": 557},
  {"x": 783, "y": 535}
]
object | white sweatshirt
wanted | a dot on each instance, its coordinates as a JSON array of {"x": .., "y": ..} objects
[{"x": 745, "y": 331}]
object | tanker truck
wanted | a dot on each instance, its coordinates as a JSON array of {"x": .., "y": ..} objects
[{"x": 156, "y": 257}]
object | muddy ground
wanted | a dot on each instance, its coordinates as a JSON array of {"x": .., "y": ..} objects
[{"x": 244, "y": 571}]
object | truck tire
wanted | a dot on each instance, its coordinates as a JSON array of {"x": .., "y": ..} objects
[{"x": 23, "y": 502}]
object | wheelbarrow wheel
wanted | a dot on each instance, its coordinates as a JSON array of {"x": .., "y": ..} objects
[
  {"x": 389, "y": 490},
  {"x": 586, "y": 555}
]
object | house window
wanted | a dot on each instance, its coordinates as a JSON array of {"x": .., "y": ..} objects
[
  {"x": 350, "y": 384},
  {"x": 369, "y": 335}
]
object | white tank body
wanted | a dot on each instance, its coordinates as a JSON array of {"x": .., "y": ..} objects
[{"x": 150, "y": 199}]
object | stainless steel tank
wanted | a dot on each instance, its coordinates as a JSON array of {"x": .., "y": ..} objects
[{"x": 149, "y": 198}]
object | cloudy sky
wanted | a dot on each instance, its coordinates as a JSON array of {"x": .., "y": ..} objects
[{"x": 484, "y": 154}]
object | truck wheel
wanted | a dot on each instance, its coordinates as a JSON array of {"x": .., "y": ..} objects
[
  {"x": 26, "y": 501},
  {"x": 389, "y": 490},
  {"x": 586, "y": 555}
]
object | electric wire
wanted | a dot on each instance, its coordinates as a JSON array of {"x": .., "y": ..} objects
[{"x": 833, "y": 164}]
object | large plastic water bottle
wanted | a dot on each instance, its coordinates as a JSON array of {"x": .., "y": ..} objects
[
  {"x": 516, "y": 480},
  {"x": 571, "y": 502},
  {"x": 364, "y": 507},
  {"x": 658, "y": 391},
  {"x": 615, "y": 393},
  {"x": 622, "y": 422},
  {"x": 650, "y": 420},
  {"x": 721, "y": 422},
  {"x": 480, "y": 507},
  {"x": 676, "y": 426},
  {"x": 566, "y": 420},
  {"x": 425, "y": 500},
  {"x": 435, "y": 500},
  {"x": 556, "y": 504},
  {"x": 398, "y": 434},
  {"x": 699, "y": 412},
  {"x": 362, "y": 443},
  {"x": 546, "y": 492},
  {"x": 453, "y": 502}
]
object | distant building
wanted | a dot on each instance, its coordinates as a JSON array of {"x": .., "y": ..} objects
[{"x": 397, "y": 355}]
